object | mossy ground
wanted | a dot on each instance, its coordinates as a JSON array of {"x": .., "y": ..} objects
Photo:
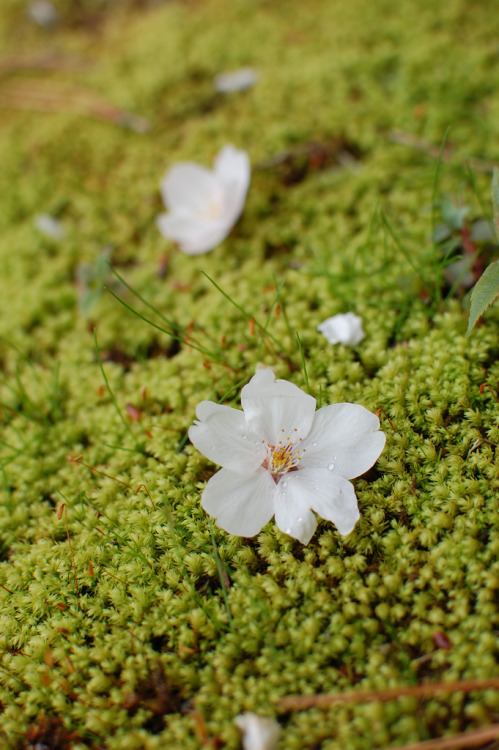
[{"x": 127, "y": 619}]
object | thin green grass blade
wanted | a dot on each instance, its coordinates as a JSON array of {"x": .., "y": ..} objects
[
  {"x": 221, "y": 575},
  {"x": 137, "y": 294},
  {"x": 434, "y": 190},
  {"x": 485, "y": 209},
  {"x": 267, "y": 321},
  {"x": 246, "y": 314},
  {"x": 113, "y": 398},
  {"x": 180, "y": 338},
  {"x": 283, "y": 308},
  {"x": 305, "y": 373},
  {"x": 121, "y": 540},
  {"x": 179, "y": 330},
  {"x": 407, "y": 256},
  {"x": 437, "y": 285}
]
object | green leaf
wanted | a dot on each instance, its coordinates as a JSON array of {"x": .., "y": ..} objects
[
  {"x": 484, "y": 292},
  {"x": 495, "y": 200}
]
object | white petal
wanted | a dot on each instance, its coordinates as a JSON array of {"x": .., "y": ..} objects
[
  {"x": 49, "y": 226},
  {"x": 222, "y": 435},
  {"x": 343, "y": 329},
  {"x": 276, "y": 409},
  {"x": 239, "y": 80},
  {"x": 259, "y": 732},
  {"x": 189, "y": 187},
  {"x": 292, "y": 509},
  {"x": 232, "y": 168},
  {"x": 194, "y": 235},
  {"x": 242, "y": 504},
  {"x": 43, "y": 13},
  {"x": 344, "y": 437},
  {"x": 330, "y": 495}
]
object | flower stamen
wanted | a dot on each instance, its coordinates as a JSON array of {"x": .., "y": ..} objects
[{"x": 282, "y": 458}]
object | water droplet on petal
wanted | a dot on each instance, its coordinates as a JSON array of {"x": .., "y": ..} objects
[
  {"x": 288, "y": 530},
  {"x": 284, "y": 484},
  {"x": 244, "y": 437},
  {"x": 330, "y": 467},
  {"x": 300, "y": 519},
  {"x": 314, "y": 445}
]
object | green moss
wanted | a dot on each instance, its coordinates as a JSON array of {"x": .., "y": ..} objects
[{"x": 114, "y": 621}]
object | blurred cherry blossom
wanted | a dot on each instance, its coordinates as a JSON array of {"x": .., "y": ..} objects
[{"x": 204, "y": 204}]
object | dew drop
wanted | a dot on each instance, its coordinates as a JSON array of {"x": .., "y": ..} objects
[
  {"x": 284, "y": 484},
  {"x": 330, "y": 467},
  {"x": 314, "y": 445},
  {"x": 300, "y": 519},
  {"x": 244, "y": 437},
  {"x": 288, "y": 530}
]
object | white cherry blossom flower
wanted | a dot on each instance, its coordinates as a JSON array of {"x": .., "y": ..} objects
[
  {"x": 259, "y": 732},
  {"x": 238, "y": 80},
  {"x": 204, "y": 204},
  {"x": 343, "y": 329},
  {"x": 280, "y": 457}
]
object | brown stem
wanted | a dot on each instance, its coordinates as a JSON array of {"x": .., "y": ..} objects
[
  {"x": 302, "y": 702},
  {"x": 466, "y": 739}
]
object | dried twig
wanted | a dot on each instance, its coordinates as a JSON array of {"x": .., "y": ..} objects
[
  {"x": 47, "y": 96},
  {"x": 302, "y": 702},
  {"x": 476, "y": 738},
  {"x": 43, "y": 60}
]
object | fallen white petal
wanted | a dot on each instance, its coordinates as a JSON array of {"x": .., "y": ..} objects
[
  {"x": 343, "y": 329},
  {"x": 49, "y": 226},
  {"x": 238, "y": 80},
  {"x": 241, "y": 503},
  {"x": 344, "y": 437},
  {"x": 259, "y": 732},
  {"x": 43, "y": 13}
]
